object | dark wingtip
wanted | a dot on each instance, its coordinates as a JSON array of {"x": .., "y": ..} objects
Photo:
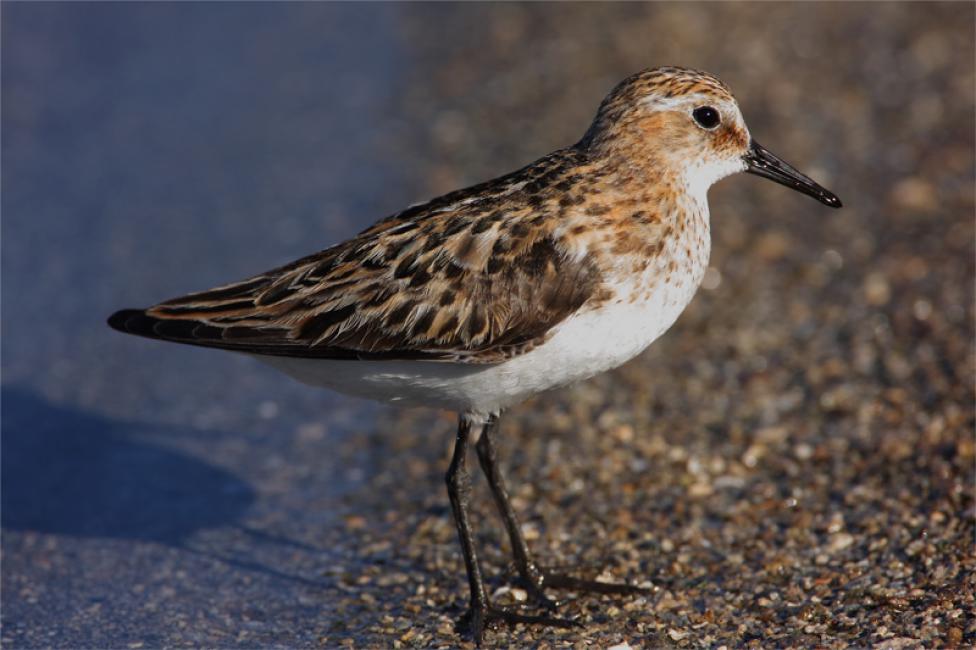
[
  {"x": 119, "y": 320},
  {"x": 138, "y": 322},
  {"x": 133, "y": 321}
]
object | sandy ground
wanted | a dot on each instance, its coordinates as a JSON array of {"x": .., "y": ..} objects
[{"x": 792, "y": 465}]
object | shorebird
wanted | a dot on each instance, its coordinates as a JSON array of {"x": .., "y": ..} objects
[{"x": 483, "y": 297}]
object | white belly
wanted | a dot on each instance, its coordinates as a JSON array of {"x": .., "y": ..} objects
[{"x": 582, "y": 346}]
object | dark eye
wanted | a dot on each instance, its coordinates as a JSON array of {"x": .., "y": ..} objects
[{"x": 706, "y": 116}]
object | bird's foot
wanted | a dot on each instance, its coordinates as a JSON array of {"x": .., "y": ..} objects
[
  {"x": 536, "y": 594},
  {"x": 537, "y": 580},
  {"x": 486, "y": 616}
]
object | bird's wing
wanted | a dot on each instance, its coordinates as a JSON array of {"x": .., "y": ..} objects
[{"x": 448, "y": 283}]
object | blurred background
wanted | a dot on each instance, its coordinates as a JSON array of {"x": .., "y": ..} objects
[{"x": 791, "y": 464}]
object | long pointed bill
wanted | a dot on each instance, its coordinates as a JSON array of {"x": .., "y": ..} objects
[{"x": 762, "y": 163}]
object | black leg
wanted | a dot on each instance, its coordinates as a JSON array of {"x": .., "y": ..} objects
[
  {"x": 459, "y": 491},
  {"x": 527, "y": 568},
  {"x": 535, "y": 577},
  {"x": 481, "y": 612}
]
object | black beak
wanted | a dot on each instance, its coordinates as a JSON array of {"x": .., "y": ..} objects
[{"x": 762, "y": 163}]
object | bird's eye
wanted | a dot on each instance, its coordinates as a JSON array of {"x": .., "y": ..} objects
[{"x": 706, "y": 116}]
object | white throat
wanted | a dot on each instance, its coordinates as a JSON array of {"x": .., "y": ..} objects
[{"x": 701, "y": 176}]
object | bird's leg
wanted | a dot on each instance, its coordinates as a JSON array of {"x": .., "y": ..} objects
[
  {"x": 535, "y": 577},
  {"x": 532, "y": 575},
  {"x": 459, "y": 490},
  {"x": 481, "y": 613}
]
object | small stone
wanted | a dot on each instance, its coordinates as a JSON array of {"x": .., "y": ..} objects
[
  {"x": 355, "y": 522},
  {"x": 712, "y": 279},
  {"x": 915, "y": 193},
  {"x": 922, "y": 309},
  {"x": 877, "y": 291},
  {"x": 676, "y": 635},
  {"x": 840, "y": 541},
  {"x": 915, "y": 548},
  {"x": 803, "y": 451},
  {"x": 773, "y": 245},
  {"x": 897, "y": 643},
  {"x": 530, "y": 531},
  {"x": 698, "y": 490},
  {"x": 836, "y": 523},
  {"x": 753, "y": 455}
]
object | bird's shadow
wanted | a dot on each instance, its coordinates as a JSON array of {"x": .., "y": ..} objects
[
  {"x": 66, "y": 471},
  {"x": 71, "y": 472}
]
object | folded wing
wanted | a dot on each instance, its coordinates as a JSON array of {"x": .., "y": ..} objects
[{"x": 447, "y": 284}]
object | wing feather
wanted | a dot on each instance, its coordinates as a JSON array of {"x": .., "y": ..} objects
[{"x": 476, "y": 276}]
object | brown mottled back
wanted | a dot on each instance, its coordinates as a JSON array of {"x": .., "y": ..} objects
[{"x": 476, "y": 275}]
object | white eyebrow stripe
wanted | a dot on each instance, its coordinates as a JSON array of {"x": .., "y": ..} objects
[
  {"x": 666, "y": 103},
  {"x": 689, "y": 101}
]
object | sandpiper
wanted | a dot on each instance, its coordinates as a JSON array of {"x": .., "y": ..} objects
[{"x": 483, "y": 297}]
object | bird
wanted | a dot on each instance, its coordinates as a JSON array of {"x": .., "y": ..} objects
[{"x": 481, "y": 298}]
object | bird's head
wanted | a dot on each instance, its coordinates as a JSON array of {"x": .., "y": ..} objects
[{"x": 687, "y": 122}]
